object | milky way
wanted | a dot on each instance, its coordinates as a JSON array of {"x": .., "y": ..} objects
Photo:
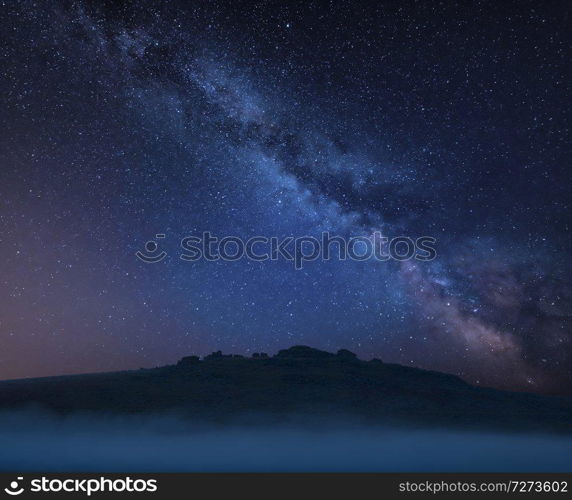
[{"x": 122, "y": 121}]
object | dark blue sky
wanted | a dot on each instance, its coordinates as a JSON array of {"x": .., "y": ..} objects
[{"x": 124, "y": 120}]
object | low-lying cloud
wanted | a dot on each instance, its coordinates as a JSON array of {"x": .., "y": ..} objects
[{"x": 31, "y": 441}]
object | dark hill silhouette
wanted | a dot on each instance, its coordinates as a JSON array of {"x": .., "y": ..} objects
[{"x": 300, "y": 381}]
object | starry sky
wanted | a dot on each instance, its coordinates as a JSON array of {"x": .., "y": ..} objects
[{"x": 121, "y": 120}]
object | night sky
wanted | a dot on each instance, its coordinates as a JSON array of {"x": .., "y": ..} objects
[{"x": 120, "y": 121}]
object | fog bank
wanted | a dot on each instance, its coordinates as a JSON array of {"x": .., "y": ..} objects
[{"x": 145, "y": 444}]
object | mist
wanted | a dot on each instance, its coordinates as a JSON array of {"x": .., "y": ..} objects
[{"x": 38, "y": 441}]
